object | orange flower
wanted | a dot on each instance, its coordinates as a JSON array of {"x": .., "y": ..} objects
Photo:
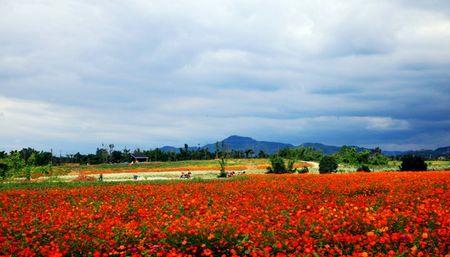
[{"x": 263, "y": 215}]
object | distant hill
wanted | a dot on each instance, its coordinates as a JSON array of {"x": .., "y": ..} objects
[
  {"x": 443, "y": 151},
  {"x": 169, "y": 149},
  {"x": 243, "y": 143},
  {"x": 439, "y": 152},
  {"x": 240, "y": 143}
]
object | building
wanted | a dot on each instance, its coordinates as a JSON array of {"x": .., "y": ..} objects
[{"x": 138, "y": 157}]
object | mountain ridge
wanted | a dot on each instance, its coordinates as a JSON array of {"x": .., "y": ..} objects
[{"x": 242, "y": 143}]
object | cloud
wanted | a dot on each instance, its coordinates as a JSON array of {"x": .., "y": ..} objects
[{"x": 74, "y": 74}]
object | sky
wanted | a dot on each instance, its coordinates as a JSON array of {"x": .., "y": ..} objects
[{"x": 146, "y": 73}]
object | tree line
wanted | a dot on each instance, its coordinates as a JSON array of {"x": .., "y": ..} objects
[{"x": 20, "y": 162}]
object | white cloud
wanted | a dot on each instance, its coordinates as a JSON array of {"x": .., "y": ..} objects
[{"x": 193, "y": 71}]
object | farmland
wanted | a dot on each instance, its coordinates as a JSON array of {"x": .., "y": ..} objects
[
  {"x": 395, "y": 213},
  {"x": 204, "y": 169}
]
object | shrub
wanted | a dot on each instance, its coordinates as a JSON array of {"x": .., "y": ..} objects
[
  {"x": 222, "y": 163},
  {"x": 413, "y": 163},
  {"x": 303, "y": 170},
  {"x": 290, "y": 166},
  {"x": 3, "y": 170},
  {"x": 363, "y": 168},
  {"x": 28, "y": 172},
  {"x": 277, "y": 165},
  {"x": 328, "y": 164}
]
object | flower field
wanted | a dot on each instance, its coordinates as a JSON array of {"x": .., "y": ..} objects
[{"x": 378, "y": 214}]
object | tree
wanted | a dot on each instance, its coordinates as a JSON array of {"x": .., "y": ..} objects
[
  {"x": 28, "y": 172},
  {"x": 116, "y": 157},
  {"x": 290, "y": 165},
  {"x": 363, "y": 168},
  {"x": 3, "y": 170},
  {"x": 377, "y": 158},
  {"x": 277, "y": 165},
  {"x": 43, "y": 158},
  {"x": 111, "y": 149},
  {"x": 32, "y": 160},
  {"x": 301, "y": 153},
  {"x": 102, "y": 155},
  {"x": 348, "y": 155},
  {"x": 222, "y": 163},
  {"x": 262, "y": 154},
  {"x": 249, "y": 153},
  {"x": 16, "y": 163},
  {"x": 413, "y": 163},
  {"x": 216, "y": 150},
  {"x": 328, "y": 164}
]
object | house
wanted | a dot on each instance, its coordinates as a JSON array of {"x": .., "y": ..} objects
[{"x": 138, "y": 157}]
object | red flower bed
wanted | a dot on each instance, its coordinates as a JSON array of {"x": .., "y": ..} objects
[{"x": 396, "y": 214}]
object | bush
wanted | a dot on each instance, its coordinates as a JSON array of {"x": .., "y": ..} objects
[
  {"x": 303, "y": 170},
  {"x": 277, "y": 165},
  {"x": 363, "y": 168},
  {"x": 290, "y": 166},
  {"x": 28, "y": 172},
  {"x": 328, "y": 164},
  {"x": 413, "y": 163},
  {"x": 222, "y": 163},
  {"x": 3, "y": 170}
]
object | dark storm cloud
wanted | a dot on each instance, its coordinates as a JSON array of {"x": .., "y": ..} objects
[{"x": 74, "y": 74}]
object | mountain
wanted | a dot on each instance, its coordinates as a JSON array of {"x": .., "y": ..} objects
[
  {"x": 169, "y": 149},
  {"x": 426, "y": 153},
  {"x": 237, "y": 143},
  {"x": 443, "y": 151},
  {"x": 244, "y": 143},
  {"x": 240, "y": 143}
]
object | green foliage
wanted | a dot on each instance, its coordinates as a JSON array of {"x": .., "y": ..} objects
[
  {"x": 11, "y": 165},
  {"x": 350, "y": 155},
  {"x": 43, "y": 169},
  {"x": 28, "y": 172},
  {"x": 249, "y": 153},
  {"x": 222, "y": 163},
  {"x": 303, "y": 170},
  {"x": 3, "y": 170},
  {"x": 262, "y": 154},
  {"x": 364, "y": 168},
  {"x": 290, "y": 166},
  {"x": 33, "y": 157},
  {"x": 413, "y": 163},
  {"x": 32, "y": 160},
  {"x": 378, "y": 159},
  {"x": 328, "y": 164},
  {"x": 15, "y": 162},
  {"x": 301, "y": 153},
  {"x": 347, "y": 155},
  {"x": 277, "y": 165}
]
